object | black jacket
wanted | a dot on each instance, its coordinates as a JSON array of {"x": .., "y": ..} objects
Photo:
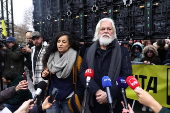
[
  {"x": 13, "y": 59},
  {"x": 101, "y": 65}
]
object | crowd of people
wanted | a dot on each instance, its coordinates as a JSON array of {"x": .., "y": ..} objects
[{"x": 62, "y": 63}]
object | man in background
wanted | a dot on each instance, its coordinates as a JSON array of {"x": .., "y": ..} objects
[
  {"x": 13, "y": 57},
  {"x": 37, "y": 53},
  {"x": 13, "y": 79}
]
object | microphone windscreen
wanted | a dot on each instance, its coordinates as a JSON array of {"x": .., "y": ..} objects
[
  {"x": 132, "y": 82},
  {"x": 106, "y": 82},
  {"x": 42, "y": 85},
  {"x": 121, "y": 83},
  {"x": 89, "y": 73}
]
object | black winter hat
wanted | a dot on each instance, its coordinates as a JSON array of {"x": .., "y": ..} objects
[{"x": 161, "y": 42}]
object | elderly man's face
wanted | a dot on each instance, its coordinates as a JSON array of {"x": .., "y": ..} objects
[
  {"x": 106, "y": 33},
  {"x": 106, "y": 29}
]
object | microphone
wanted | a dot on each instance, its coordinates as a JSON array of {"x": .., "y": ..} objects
[
  {"x": 132, "y": 82},
  {"x": 106, "y": 83},
  {"x": 40, "y": 87},
  {"x": 88, "y": 75},
  {"x": 121, "y": 84}
]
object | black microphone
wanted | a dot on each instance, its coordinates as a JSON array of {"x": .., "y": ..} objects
[
  {"x": 40, "y": 87},
  {"x": 121, "y": 84},
  {"x": 106, "y": 83}
]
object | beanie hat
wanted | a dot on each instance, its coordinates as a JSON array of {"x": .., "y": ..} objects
[{"x": 161, "y": 42}]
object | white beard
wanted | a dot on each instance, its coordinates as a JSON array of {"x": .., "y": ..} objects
[{"x": 105, "y": 41}]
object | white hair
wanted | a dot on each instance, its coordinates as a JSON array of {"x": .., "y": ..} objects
[{"x": 96, "y": 35}]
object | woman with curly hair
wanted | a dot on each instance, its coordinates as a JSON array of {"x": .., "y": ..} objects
[
  {"x": 63, "y": 63},
  {"x": 150, "y": 55}
]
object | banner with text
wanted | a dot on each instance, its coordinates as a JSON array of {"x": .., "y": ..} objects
[{"x": 155, "y": 79}]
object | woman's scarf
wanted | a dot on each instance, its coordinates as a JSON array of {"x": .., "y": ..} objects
[{"x": 62, "y": 67}]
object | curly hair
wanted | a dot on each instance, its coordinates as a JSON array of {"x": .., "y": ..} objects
[{"x": 53, "y": 45}]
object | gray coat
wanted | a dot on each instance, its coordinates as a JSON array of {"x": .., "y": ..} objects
[{"x": 6, "y": 95}]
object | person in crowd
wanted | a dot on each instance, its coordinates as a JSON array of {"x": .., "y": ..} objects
[
  {"x": 146, "y": 99},
  {"x": 13, "y": 58},
  {"x": 12, "y": 79},
  {"x": 150, "y": 57},
  {"x": 37, "y": 53},
  {"x": 147, "y": 42},
  {"x": 11, "y": 92},
  {"x": 63, "y": 63},
  {"x": 27, "y": 54},
  {"x": 136, "y": 52},
  {"x": 161, "y": 48},
  {"x": 107, "y": 58},
  {"x": 150, "y": 54},
  {"x": 126, "y": 44}
]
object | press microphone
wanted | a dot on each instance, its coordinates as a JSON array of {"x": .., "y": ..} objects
[
  {"x": 132, "y": 82},
  {"x": 40, "y": 87},
  {"x": 121, "y": 84},
  {"x": 88, "y": 75},
  {"x": 106, "y": 83}
]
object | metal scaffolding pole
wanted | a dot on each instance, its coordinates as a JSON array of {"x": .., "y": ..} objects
[{"x": 7, "y": 15}]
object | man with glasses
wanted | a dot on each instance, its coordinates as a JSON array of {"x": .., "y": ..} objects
[{"x": 107, "y": 58}]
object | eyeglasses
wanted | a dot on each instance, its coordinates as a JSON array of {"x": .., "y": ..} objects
[{"x": 108, "y": 29}]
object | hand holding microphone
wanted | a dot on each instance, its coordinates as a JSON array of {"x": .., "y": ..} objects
[
  {"x": 40, "y": 87},
  {"x": 144, "y": 97}
]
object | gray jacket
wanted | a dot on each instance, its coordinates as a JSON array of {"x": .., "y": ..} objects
[{"x": 6, "y": 94}]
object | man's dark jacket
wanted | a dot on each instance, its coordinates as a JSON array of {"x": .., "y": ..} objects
[
  {"x": 13, "y": 59},
  {"x": 101, "y": 68}
]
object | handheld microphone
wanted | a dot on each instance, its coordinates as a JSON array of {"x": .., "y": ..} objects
[
  {"x": 88, "y": 75},
  {"x": 121, "y": 84},
  {"x": 106, "y": 83},
  {"x": 40, "y": 87},
  {"x": 132, "y": 82}
]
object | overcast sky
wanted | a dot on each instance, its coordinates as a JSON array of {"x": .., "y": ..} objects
[{"x": 19, "y": 6}]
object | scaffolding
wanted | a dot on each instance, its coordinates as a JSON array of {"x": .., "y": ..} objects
[{"x": 6, "y": 14}]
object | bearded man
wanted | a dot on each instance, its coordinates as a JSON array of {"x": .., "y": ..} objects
[{"x": 106, "y": 58}]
